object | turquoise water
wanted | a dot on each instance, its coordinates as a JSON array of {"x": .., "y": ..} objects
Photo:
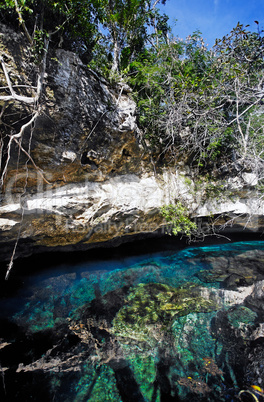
[{"x": 182, "y": 325}]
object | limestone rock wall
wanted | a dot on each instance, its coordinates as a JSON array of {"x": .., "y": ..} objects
[
  {"x": 94, "y": 182},
  {"x": 86, "y": 133},
  {"x": 86, "y": 128}
]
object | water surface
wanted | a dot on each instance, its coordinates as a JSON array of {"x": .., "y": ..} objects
[{"x": 178, "y": 325}]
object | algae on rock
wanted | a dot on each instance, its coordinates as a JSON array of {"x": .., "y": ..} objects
[{"x": 155, "y": 305}]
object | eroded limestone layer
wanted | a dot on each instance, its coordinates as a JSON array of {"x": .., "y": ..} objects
[{"x": 90, "y": 180}]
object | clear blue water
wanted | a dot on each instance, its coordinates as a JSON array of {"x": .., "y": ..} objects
[{"x": 148, "y": 327}]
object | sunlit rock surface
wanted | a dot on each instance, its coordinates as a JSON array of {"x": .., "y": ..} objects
[{"x": 94, "y": 182}]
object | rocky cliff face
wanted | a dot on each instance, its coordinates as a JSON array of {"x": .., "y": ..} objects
[{"x": 91, "y": 181}]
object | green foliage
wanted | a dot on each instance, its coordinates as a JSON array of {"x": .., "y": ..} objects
[
  {"x": 178, "y": 217},
  {"x": 260, "y": 187},
  {"x": 213, "y": 191},
  {"x": 161, "y": 79},
  {"x": 193, "y": 103},
  {"x": 125, "y": 23},
  {"x": 71, "y": 23},
  {"x": 39, "y": 45},
  {"x": 106, "y": 34},
  {"x": 202, "y": 104}
]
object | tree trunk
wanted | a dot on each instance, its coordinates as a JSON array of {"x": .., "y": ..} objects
[{"x": 116, "y": 50}]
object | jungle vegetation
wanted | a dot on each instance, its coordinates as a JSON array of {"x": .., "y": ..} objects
[
  {"x": 202, "y": 105},
  {"x": 197, "y": 105}
]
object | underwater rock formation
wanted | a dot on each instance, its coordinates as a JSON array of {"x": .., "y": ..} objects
[
  {"x": 151, "y": 331},
  {"x": 151, "y": 308},
  {"x": 225, "y": 270}
]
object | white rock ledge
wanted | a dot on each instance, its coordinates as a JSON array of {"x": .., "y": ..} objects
[{"x": 126, "y": 204}]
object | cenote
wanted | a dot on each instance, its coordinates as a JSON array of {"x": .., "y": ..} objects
[{"x": 152, "y": 321}]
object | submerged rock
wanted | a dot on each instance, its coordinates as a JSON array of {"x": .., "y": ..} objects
[
  {"x": 150, "y": 309},
  {"x": 146, "y": 332},
  {"x": 234, "y": 271}
]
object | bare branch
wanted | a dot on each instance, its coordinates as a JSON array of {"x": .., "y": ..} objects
[
  {"x": 42, "y": 68},
  {"x": 7, "y": 76},
  {"x": 246, "y": 110},
  {"x": 22, "y": 23},
  {"x": 11, "y": 262},
  {"x": 6, "y": 163},
  {"x": 32, "y": 161},
  {"x": 15, "y": 138},
  {"x": 19, "y": 86},
  {"x": 19, "y": 98},
  {"x": 155, "y": 3},
  {"x": 13, "y": 96},
  {"x": 26, "y": 125}
]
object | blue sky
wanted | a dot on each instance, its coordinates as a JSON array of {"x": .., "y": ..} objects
[{"x": 214, "y": 18}]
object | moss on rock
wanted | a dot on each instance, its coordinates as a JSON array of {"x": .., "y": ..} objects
[{"x": 153, "y": 306}]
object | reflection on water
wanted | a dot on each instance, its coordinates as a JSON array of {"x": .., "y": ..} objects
[{"x": 177, "y": 326}]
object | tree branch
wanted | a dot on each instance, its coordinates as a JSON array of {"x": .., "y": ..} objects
[
  {"x": 21, "y": 21},
  {"x": 7, "y": 76},
  {"x": 155, "y": 3},
  {"x": 246, "y": 110},
  {"x": 32, "y": 161},
  {"x": 15, "y": 138},
  {"x": 13, "y": 96}
]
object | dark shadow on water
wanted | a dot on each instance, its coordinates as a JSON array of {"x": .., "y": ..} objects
[{"x": 105, "y": 258}]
